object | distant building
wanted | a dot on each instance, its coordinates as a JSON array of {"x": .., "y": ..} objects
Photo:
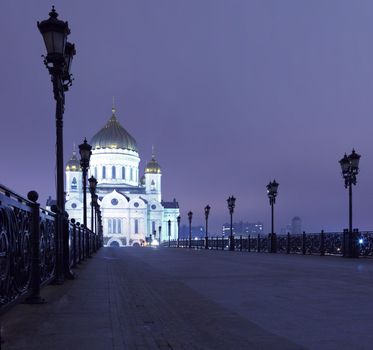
[
  {"x": 197, "y": 231},
  {"x": 243, "y": 228},
  {"x": 296, "y": 225},
  {"x": 294, "y": 228}
]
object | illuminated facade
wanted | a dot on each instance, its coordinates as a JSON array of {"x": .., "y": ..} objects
[{"x": 132, "y": 207}]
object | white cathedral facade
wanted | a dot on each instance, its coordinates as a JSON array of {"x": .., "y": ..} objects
[{"x": 132, "y": 207}]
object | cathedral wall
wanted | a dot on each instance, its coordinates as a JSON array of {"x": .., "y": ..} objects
[{"x": 103, "y": 161}]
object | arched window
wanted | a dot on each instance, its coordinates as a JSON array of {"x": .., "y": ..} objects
[
  {"x": 131, "y": 174},
  {"x": 152, "y": 186},
  {"x": 110, "y": 228},
  {"x": 119, "y": 226},
  {"x": 104, "y": 172},
  {"x": 114, "y": 226},
  {"x": 136, "y": 226},
  {"x": 74, "y": 184},
  {"x": 123, "y": 172},
  {"x": 95, "y": 172},
  {"x": 113, "y": 172},
  {"x": 153, "y": 227}
]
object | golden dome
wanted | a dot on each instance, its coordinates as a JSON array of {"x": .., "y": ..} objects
[
  {"x": 153, "y": 167},
  {"x": 73, "y": 164},
  {"x": 113, "y": 135}
]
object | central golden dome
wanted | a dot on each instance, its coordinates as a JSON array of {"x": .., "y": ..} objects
[{"x": 113, "y": 135}]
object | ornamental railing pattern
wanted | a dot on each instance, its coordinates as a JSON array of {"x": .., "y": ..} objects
[
  {"x": 31, "y": 253},
  {"x": 355, "y": 244}
]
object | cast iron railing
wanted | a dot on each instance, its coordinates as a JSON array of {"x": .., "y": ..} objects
[
  {"x": 28, "y": 247},
  {"x": 323, "y": 243}
]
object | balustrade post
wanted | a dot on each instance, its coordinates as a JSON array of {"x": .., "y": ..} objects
[
  {"x": 304, "y": 243},
  {"x": 66, "y": 248},
  {"x": 58, "y": 222},
  {"x": 80, "y": 257},
  {"x": 84, "y": 241},
  {"x": 249, "y": 243},
  {"x": 222, "y": 243},
  {"x": 34, "y": 297},
  {"x": 288, "y": 243},
  {"x": 73, "y": 243},
  {"x": 322, "y": 243},
  {"x": 258, "y": 243},
  {"x": 240, "y": 243}
]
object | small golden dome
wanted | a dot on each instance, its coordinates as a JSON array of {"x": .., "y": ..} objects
[
  {"x": 73, "y": 164},
  {"x": 153, "y": 167}
]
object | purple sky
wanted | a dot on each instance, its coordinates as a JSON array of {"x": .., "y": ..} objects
[{"x": 231, "y": 93}]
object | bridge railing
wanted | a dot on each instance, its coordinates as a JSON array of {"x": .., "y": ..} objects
[
  {"x": 30, "y": 251},
  {"x": 321, "y": 243}
]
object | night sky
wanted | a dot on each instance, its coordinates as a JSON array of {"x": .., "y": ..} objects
[{"x": 232, "y": 94}]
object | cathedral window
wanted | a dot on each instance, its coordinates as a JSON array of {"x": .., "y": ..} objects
[
  {"x": 131, "y": 174},
  {"x": 113, "y": 172},
  {"x": 152, "y": 186},
  {"x": 104, "y": 172},
  {"x": 123, "y": 172},
  {"x": 95, "y": 172},
  {"x": 74, "y": 184},
  {"x": 110, "y": 229},
  {"x": 114, "y": 226},
  {"x": 119, "y": 226},
  {"x": 136, "y": 226}
]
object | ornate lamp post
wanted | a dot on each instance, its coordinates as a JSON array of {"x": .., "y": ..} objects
[
  {"x": 58, "y": 62},
  {"x": 178, "y": 230},
  {"x": 190, "y": 216},
  {"x": 207, "y": 212},
  {"x": 85, "y": 155},
  {"x": 350, "y": 169},
  {"x": 231, "y": 204},
  {"x": 169, "y": 233},
  {"x": 272, "y": 193},
  {"x": 92, "y": 189}
]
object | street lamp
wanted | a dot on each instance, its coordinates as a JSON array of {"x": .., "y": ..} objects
[
  {"x": 58, "y": 62},
  {"x": 207, "y": 212},
  {"x": 178, "y": 230},
  {"x": 231, "y": 204},
  {"x": 169, "y": 233},
  {"x": 92, "y": 189},
  {"x": 272, "y": 188},
  {"x": 190, "y": 216},
  {"x": 85, "y": 154},
  {"x": 350, "y": 169}
]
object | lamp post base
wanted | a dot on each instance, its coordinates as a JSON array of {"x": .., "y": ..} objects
[
  {"x": 350, "y": 244},
  {"x": 272, "y": 237}
]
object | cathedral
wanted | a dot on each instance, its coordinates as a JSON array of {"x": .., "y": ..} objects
[{"x": 132, "y": 207}]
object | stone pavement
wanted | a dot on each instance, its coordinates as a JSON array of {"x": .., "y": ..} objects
[{"x": 144, "y": 298}]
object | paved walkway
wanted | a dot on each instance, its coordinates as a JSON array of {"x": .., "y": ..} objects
[{"x": 128, "y": 298}]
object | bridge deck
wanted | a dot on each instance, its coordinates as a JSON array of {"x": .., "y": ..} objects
[{"x": 128, "y": 298}]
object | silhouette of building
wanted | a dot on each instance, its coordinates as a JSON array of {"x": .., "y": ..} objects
[
  {"x": 296, "y": 225},
  {"x": 197, "y": 231},
  {"x": 243, "y": 228}
]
